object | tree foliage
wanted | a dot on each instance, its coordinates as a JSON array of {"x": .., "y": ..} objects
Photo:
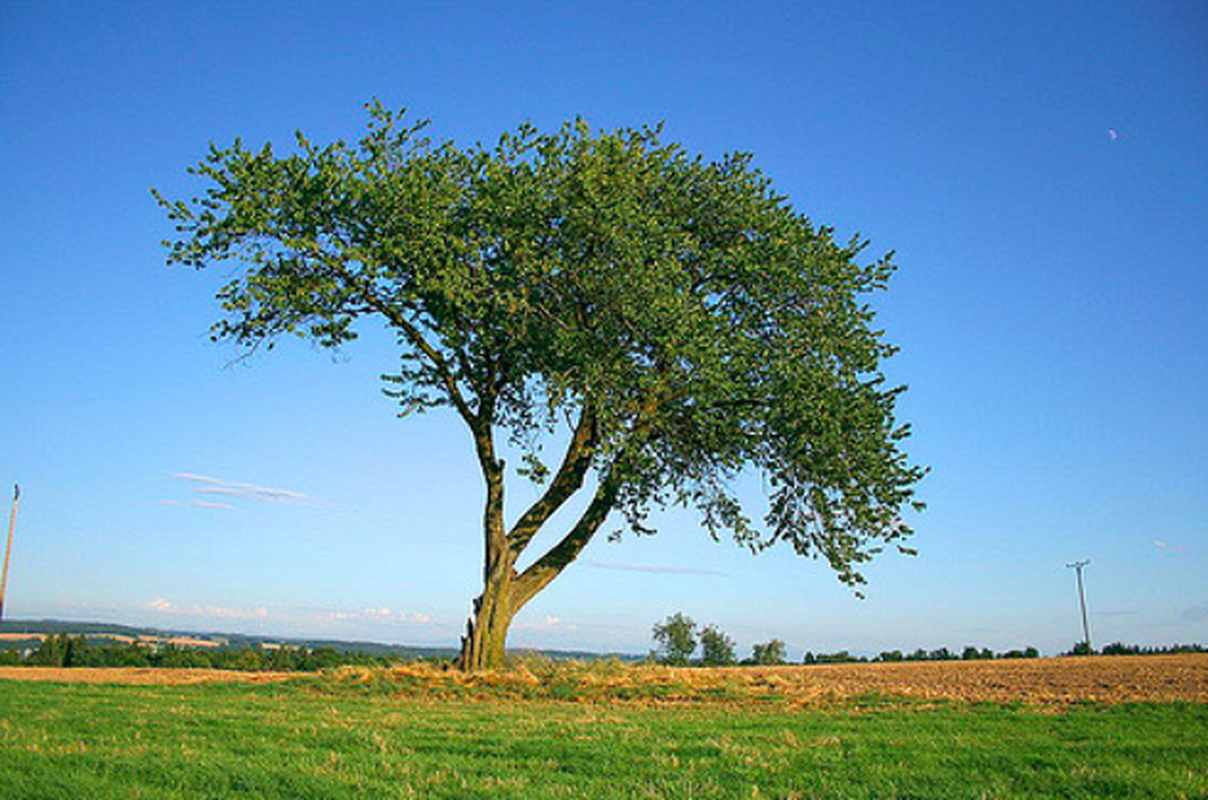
[
  {"x": 769, "y": 654},
  {"x": 717, "y": 649},
  {"x": 677, "y": 315},
  {"x": 676, "y": 639}
]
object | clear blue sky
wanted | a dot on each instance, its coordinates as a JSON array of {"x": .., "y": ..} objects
[{"x": 1050, "y": 306}]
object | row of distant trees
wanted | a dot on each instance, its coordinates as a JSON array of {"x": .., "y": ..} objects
[
  {"x": 65, "y": 650},
  {"x": 1121, "y": 649},
  {"x": 678, "y": 639}
]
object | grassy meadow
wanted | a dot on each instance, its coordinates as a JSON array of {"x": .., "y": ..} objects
[{"x": 373, "y": 735}]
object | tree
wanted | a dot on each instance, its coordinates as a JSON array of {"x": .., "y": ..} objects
[
  {"x": 768, "y": 654},
  {"x": 676, "y": 639},
  {"x": 676, "y": 318},
  {"x": 717, "y": 649}
]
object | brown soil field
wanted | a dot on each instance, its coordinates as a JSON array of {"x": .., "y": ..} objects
[
  {"x": 1099, "y": 679},
  {"x": 1047, "y": 681}
]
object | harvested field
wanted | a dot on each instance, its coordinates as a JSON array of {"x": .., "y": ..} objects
[
  {"x": 1100, "y": 679},
  {"x": 1050, "y": 681},
  {"x": 140, "y": 676}
]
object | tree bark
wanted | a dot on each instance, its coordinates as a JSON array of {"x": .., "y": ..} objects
[
  {"x": 483, "y": 646},
  {"x": 505, "y": 591}
]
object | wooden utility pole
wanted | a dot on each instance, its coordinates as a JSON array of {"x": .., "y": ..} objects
[
  {"x": 8, "y": 551},
  {"x": 1078, "y": 566}
]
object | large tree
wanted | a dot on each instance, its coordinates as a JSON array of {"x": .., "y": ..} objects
[{"x": 674, "y": 317}]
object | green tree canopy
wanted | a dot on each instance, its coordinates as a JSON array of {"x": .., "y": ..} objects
[
  {"x": 677, "y": 315},
  {"x": 769, "y": 654},
  {"x": 716, "y": 648},
  {"x": 676, "y": 639}
]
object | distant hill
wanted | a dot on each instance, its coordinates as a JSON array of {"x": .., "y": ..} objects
[{"x": 113, "y": 632}]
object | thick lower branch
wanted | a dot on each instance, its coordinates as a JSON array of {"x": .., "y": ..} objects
[
  {"x": 549, "y": 566},
  {"x": 567, "y": 481}
]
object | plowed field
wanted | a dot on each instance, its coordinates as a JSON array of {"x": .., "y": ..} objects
[{"x": 1115, "y": 679}]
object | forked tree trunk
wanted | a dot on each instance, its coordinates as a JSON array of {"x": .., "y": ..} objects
[
  {"x": 484, "y": 644},
  {"x": 505, "y": 591}
]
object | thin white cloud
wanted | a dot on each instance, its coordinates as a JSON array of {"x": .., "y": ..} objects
[
  {"x": 321, "y": 617},
  {"x": 660, "y": 569},
  {"x": 162, "y": 605},
  {"x": 205, "y": 484},
  {"x": 549, "y": 623},
  {"x": 1197, "y": 613},
  {"x": 1169, "y": 548},
  {"x": 196, "y": 504}
]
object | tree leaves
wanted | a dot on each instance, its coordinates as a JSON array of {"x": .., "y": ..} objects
[{"x": 705, "y": 325}]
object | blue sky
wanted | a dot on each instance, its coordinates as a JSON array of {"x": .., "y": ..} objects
[{"x": 1049, "y": 304}]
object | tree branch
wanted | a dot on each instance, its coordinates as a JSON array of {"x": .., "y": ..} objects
[
  {"x": 567, "y": 481},
  {"x": 549, "y": 566},
  {"x": 413, "y": 334}
]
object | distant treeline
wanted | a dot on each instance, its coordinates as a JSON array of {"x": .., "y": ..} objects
[
  {"x": 679, "y": 639},
  {"x": 1121, "y": 649},
  {"x": 970, "y": 653},
  {"x": 65, "y": 650}
]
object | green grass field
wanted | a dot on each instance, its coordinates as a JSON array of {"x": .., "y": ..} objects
[{"x": 321, "y": 739}]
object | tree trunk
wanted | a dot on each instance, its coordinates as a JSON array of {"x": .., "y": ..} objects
[
  {"x": 505, "y": 591},
  {"x": 486, "y": 633}
]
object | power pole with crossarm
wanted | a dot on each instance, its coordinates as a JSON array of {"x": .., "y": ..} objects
[
  {"x": 8, "y": 551},
  {"x": 1077, "y": 566}
]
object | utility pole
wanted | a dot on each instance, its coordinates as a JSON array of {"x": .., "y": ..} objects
[
  {"x": 8, "y": 551},
  {"x": 1086, "y": 629}
]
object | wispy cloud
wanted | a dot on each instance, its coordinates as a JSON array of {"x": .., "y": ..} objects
[
  {"x": 195, "y": 504},
  {"x": 1197, "y": 613},
  {"x": 661, "y": 569},
  {"x": 384, "y": 614},
  {"x": 205, "y": 484},
  {"x": 164, "y": 606},
  {"x": 323, "y": 617},
  {"x": 549, "y": 623},
  {"x": 1169, "y": 548}
]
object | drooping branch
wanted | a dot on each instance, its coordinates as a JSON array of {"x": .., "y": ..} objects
[
  {"x": 410, "y": 330},
  {"x": 416, "y": 337}
]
